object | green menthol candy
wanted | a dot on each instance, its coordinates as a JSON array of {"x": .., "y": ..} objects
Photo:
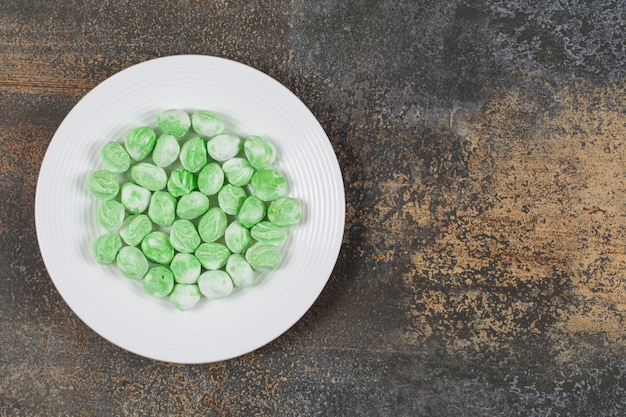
[
  {"x": 237, "y": 238},
  {"x": 192, "y": 205},
  {"x": 193, "y": 154},
  {"x": 268, "y": 184},
  {"x": 186, "y": 268},
  {"x": 103, "y": 185},
  {"x": 185, "y": 296},
  {"x": 158, "y": 281},
  {"x": 135, "y": 228},
  {"x": 230, "y": 198},
  {"x": 184, "y": 236},
  {"x": 132, "y": 263},
  {"x": 212, "y": 255},
  {"x": 115, "y": 158},
  {"x": 181, "y": 182},
  {"x": 162, "y": 208},
  {"x": 263, "y": 257},
  {"x": 238, "y": 171},
  {"x": 174, "y": 122},
  {"x": 140, "y": 142},
  {"x": 157, "y": 248},
  {"x": 111, "y": 214},
  {"x": 206, "y": 123},
  {"x": 260, "y": 153},
  {"x": 135, "y": 198},
  {"x": 165, "y": 151},
  {"x": 252, "y": 211},
  {"x": 106, "y": 247},
  {"x": 149, "y": 176},
  {"x": 213, "y": 224},
  {"x": 284, "y": 212},
  {"x": 240, "y": 271},
  {"x": 223, "y": 147},
  {"x": 269, "y": 233},
  {"x": 215, "y": 284},
  {"x": 210, "y": 178}
]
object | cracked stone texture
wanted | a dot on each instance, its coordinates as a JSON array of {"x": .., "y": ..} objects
[{"x": 483, "y": 266}]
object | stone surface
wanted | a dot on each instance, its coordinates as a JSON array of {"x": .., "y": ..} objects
[{"x": 483, "y": 264}]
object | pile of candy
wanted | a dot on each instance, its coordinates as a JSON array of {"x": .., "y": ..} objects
[{"x": 191, "y": 211}]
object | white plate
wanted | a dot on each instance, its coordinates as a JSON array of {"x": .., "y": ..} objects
[{"x": 116, "y": 307}]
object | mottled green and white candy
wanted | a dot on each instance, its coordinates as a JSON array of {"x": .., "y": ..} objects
[
  {"x": 186, "y": 268},
  {"x": 269, "y": 233},
  {"x": 193, "y": 154},
  {"x": 158, "y": 281},
  {"x": 231, "y": 198},
  {"x": 238, "y": 171},
  {"x": 192, "y": 205},
  {"x": 260, "y": 153},
  {"x": 240, "y": 271},
  {"x": 149, "y": 176},
  {"x": 262, "y": 257},
  {"x": 268, "y": 184},
  {"x": 206, "y": 123},
  {"x": 157, "y": 248},
  {"x": 183, "y": 236},
  {"x": 135, "y": 198},
  {"x": 185, "y": 296},
  {"x": 166, "y": 151},
  {"x": 139, "y": 142},
  {"x": 181, "y": 182},
  {"x": 212, "y": 225},
  {"x": 237, "y": 237},
  {"x": 106, "y": 247},
  {"x": 135, "y": 228},
  {"x": 212, "y": 255},
  {"x": 162, "y": 208},
  {"x": 211, "y": 178},
  {"x": 215, "y": 284},
  {"x": 104, "y": 185},
  {"x": 111, "y": 215},
  {"x": 115, "y": 158},
  {"x": 223, "y": 147},
  {"x": 132, "y": 263},
  {"x": 284, "y": 212},
  {"x": 252, "y": 211},
  {"x": 174, "y": 122}
]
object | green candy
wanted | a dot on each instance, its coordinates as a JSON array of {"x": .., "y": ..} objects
[
  {"x": 186, "y": 268},
  {"x": 115, "y": 158},
  {"x": 174, "y": 122},
  {"x": 183, "y": 236},
  {"x": 211, "y": 178},
  {"x": 139, "y": 142},
  {"x": 162, "y": 208},
  {"x": 240, "y": 271},
  {"x": 181, "y": 182},
  {"x": 132, "y": 263},
  {"x": 215, "y": 284},
  {"x": 206, "y": 123},
  {"x": 252, "y": 211},
  {"x": 284, "y": 212},
  {"x": 262, "y": 257},
  {"x": 192, "y": 205},
  {"x": 104, "y": 185},
  {"x": 238, "y": 171},
  {"x": 231, "y": 198},
  {"x": 185, "y": 296},
  {"x": 135, "y": 228},
  {"x": 158, "y": 281},
  {"x": 260, "y": 153},
  {"x": 111, "y": 214},
  {"x": 135, "y": 198},
  {"x": 193, "y": 154},
  {"x": 157, "y": 248},
  {"x": 223, "y": 147},
  {"x": 268, "y": 185},
  {"x": 106, "y": 247},
  {"x": 149, "y": 176},
  {"x": 269, "y": 233},
  {"x": 166, "y": 151},
  {"x": 237, "y": 237},
  {"x": 212, "y": 225},
  {"x": 212, "y": 255}
]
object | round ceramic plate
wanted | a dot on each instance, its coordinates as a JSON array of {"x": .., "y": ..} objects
[{"x": 117, "y": 308}]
